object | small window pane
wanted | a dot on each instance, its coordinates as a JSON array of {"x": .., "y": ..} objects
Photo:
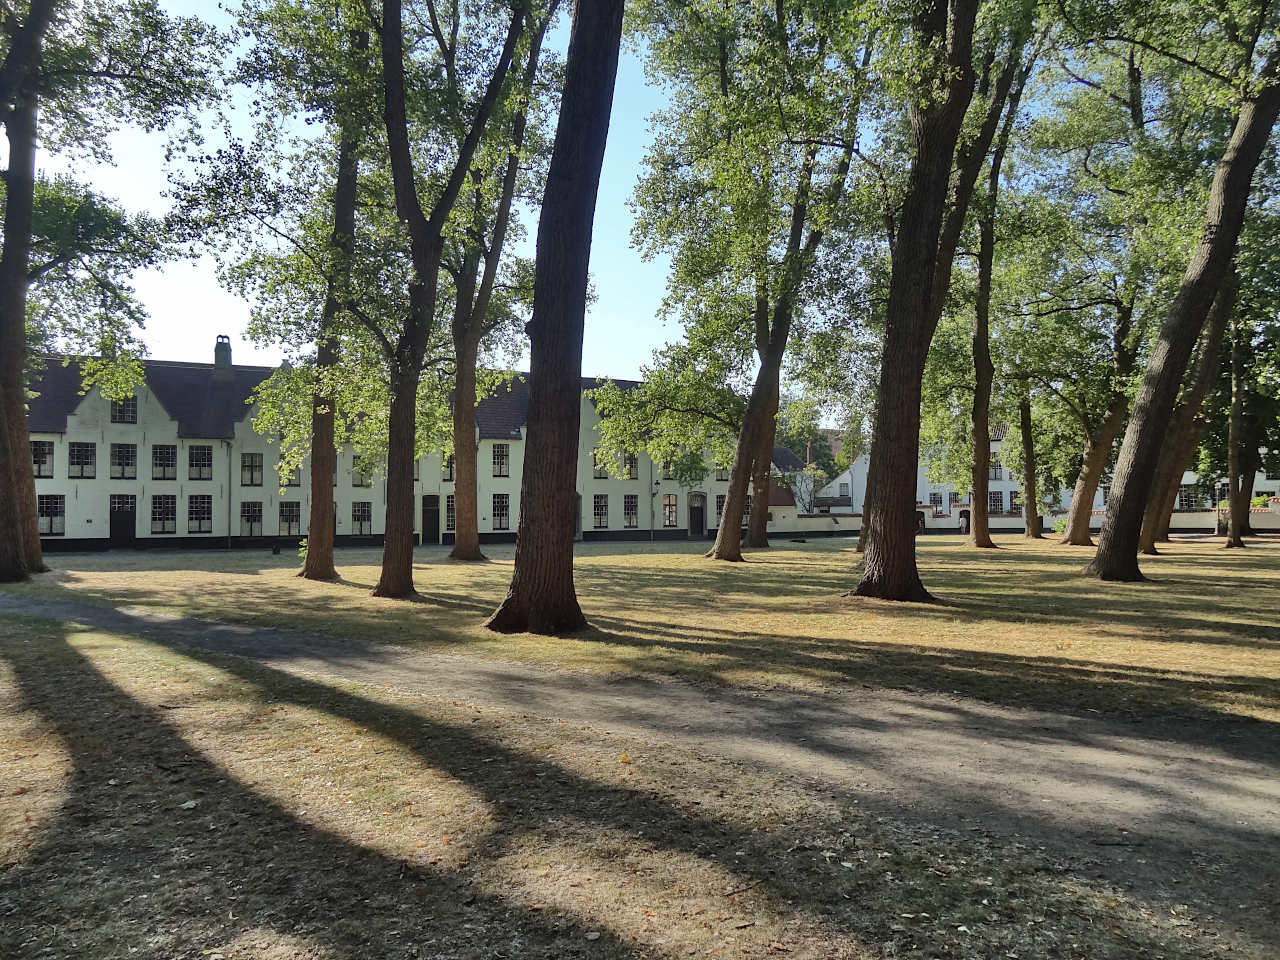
[
  {"x": 501, "y": 460},
  {"x": 669, "y": 510},
  {"x": 251, "y": 518},
  {"x": 42, "y": 458},
  {"x": 250, "y": 469},
  {"x": 124, "y": 461},
  {"x": 200, "y": 513},
  {"x": 124, "y": 411},
  {"x": 501, "y": 511},
  {"x": 600, "y": 509},
  {"x": 52, "y": 512},
  {"x": 200, "y": 462},
  {"x": 164, "y": 513},
  {"x": 290, "y": 518},
  {"x": 362, "y": 517},
  {"x": 450, "y": 513},
  {"x": 82, "y": 461},
  {"x": 164, "y": 462},
  {"x": 631, "y": 510}
]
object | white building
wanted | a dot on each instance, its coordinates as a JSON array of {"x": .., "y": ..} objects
[{"x": 179, "y": 464}]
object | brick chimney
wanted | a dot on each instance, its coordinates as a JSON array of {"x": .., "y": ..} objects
[{"x": 222, "y": 358}]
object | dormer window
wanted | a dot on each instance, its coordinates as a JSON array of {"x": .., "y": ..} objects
[{"x": 124, "y": 411}]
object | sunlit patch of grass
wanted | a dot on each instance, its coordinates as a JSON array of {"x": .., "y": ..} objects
[{"x": 1015, "y": 624}]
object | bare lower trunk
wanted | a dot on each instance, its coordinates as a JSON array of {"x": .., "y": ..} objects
[
  {"x": 983, "y": 374},
  {"x": 1097, "y": 449},
  {"x": 758, "y": 529},
  {"x": 542, "y": 598},
  {"x": 1117, "y": 557},
  {"x": 1187, "y": 427},
  {"x": 18, "y": 214},
  {"x": 396, "y": 579},
  {"x": 1249, "y": 472},
  {"x": 1030, "y": 491},
  {"x": 466, "y": 536},
  {"x": 1239, "y": 511},
  {"x": 728, "y": 542},
  {"x": 13, "y": 560},
  {"x": 318, "y": 564}
]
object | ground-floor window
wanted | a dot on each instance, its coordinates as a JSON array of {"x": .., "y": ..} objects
[
  {"x": 362, "y": 517},
  {"x": 501, "y": 511},
  {"x": 450, "y": 511},
  {"x": 954, "y": 497},
  {"x": 746, "y": 510},
  {"x": 935, "y": 499},
  {"x": 1189, "y": 497},
  {"x": 251, "y": 518},
  {"x": 669, "y": 510},
  {"x": 630, "y": 510},
  {"x": 164, "y": 513},
  {"x": 200, "y": 513},
  {"x": 1015, "y": 501},
  {"x": 600, "y": 509},
  {"x": 719, "y": 507},
  {"x": 52, "y": 511},
  {"x": 290, "y": 518},
  {"x": 995, "y": 501}
]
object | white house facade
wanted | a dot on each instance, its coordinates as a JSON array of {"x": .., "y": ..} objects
[{"x": 179, "y": 464}]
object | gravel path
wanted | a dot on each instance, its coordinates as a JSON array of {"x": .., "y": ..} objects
[{"x": 1162, "y": 781}]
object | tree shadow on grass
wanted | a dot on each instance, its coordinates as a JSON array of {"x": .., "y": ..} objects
[{"x": 124, "y": 865}]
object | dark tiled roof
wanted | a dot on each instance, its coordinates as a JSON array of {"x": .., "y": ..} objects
[
  {"x": 998, "y": 432},
  {"x": 786, "y": 460},
  {"x": 500, "y": 415},
  {"x": 203, "y": 406},
  {"x": 833, "y": 502}
]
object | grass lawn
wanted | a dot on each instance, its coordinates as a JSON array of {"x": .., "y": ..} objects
[
  {"x": 162, "y": 802},
  {"x": 1017, "y": 625}
]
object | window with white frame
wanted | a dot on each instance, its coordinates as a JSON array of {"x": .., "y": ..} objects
[
  {"x": 450, "y": 513},
  {"x": 1189, "y": 497},
  {"x": 1015, "y": 501},
  {"x": 164, "y": 462},
  {"x": 631, "y": 511},
  {"x": 670, "y": 510},
  {"x": 51, "y": 510},
  {"x": 124, "y": 461},
  {"x": 251, "y": 518},
  {"x": 124, "y": 411},
  {"x": 746, "y": 510},
  {"x": 42, "y": 458},
  {"x": 997, "y": 471},
  {"x": 200, "y": 513},
  {"x": 995, "y": 501},
  {"x": 290, "y": 518},
  {"x": 126, "y": 502},
  {"x": 954, "y": 497},
  {"x": 935, "y": 500},
  {"x": 250, "y": 469},
  {"x": 600, "y": 510},
  {"x": 82, "y": 461},
  {"x": 501, "y": 460},
  {"x": 362, "y": 517},
  {"x": 722, "y": 473},
  {"x": 719, "y": 507},
  {"x": 501, "y": 511},
  {"x": 630, "y": 466},
  {"x": 200, "y": 462},
  {"x": 599, "y": 468},
  {"x": 844, "y": 489},
  {"x": 164, "y": 513}
]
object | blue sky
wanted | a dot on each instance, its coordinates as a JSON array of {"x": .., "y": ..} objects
[{"x": 188, "y": 308}]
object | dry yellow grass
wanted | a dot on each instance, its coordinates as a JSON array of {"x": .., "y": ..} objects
[
  {"x": 1016, "y": 625},
  {"x": 171, "y": 803}
]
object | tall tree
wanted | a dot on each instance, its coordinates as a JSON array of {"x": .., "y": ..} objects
[
  {"x": 1258, "y": 99},
  {"x": 74, "y": 71},
  {"x": 475, "y": 276},
  {"x": 541, "y": 598},
  {"x": 426, "y": 237}
]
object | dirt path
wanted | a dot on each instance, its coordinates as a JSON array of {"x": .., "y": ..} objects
[{"x": 1136, "y": 790}]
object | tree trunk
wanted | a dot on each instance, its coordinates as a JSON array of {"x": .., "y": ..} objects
[
  {"x": 13, "y": 559},
  {"x": 541, "y": 598},
  {"x": 1097, "y": 449},
  {"x": 1030, "y": 491},
  {"x": 318, "y": 564},
  {"x": 1117, "y": 557},
  {"x": 758, "y": 529},
  {"x": 1248, "y": 474},
  {"x": 396, "y": 579},
  {"x": 1239, "y": 506},
  {"x": 983, "y": 374},
  {"x": 18, "y": 213},
  {"x": 1187, "y": 427},
  {"x": 466, "y": 534},
  {"x": 889, "y": 571}
]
